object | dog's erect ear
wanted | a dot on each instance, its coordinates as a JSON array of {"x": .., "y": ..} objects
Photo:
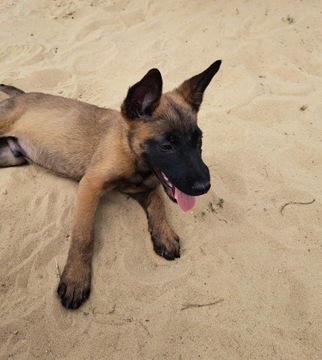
[
  {"x": 143, "y": 97},
  {"x": 193, "y": 89}
]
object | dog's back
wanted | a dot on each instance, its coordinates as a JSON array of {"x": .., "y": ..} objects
[{"x": 36, "y": 124}]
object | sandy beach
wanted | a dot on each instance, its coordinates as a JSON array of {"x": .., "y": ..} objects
[{"x": 248, "y": 284}]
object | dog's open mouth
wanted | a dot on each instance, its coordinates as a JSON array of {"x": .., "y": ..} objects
[{"x": 186, "y": 202}]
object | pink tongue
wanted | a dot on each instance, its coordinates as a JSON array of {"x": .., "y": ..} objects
[{"x": 186, "y": 202}]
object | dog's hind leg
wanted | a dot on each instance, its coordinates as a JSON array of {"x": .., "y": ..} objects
[
  {"x": 9, "y": 113},
  {"x": 165, "y": 240},
  {"x": 10, "y": 153}
]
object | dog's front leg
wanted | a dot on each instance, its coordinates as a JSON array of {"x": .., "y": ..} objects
[
  {"x": 75, "y": 282},
  {"x": 165, "y": 240}
]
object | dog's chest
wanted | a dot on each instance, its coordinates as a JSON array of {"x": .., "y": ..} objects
[{"x": 139, "y": 182}]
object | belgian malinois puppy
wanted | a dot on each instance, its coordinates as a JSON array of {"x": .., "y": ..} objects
[{"x": 154, "y": 140}]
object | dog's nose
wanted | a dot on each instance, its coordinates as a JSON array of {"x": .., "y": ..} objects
[{"x": 201, "y": 187}]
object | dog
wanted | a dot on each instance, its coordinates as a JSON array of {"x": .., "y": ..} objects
[{"x": 153, "y": 140}]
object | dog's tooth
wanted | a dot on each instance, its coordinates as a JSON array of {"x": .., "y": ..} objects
[{"x": 165, "y": 178}]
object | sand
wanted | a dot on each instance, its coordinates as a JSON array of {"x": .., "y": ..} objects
[{"x": 249, "y": 282}]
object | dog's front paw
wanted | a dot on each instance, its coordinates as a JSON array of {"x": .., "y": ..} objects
[
  {"x": 166, "y": 245},
  {"x": 74, "y": 286}
]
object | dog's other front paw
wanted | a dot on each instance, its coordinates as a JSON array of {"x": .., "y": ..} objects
[
  {"x": 166, "y": 245},
  {"x": 74, "y": 286}
]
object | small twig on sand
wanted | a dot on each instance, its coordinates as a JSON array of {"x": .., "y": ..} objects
[
  {"x": 57, "y": 270},
  {"x": 189, "y": 306},
  {"x": 295, "y": 203}
]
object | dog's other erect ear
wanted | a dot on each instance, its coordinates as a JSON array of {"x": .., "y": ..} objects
[
  {"x": 193, "y": 89},
  {"x": 143, "y": 97}
]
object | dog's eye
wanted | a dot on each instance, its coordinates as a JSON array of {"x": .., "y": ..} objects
[{"x": 166, "y": 146}]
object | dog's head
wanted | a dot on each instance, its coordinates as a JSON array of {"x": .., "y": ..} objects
[{"x": 164, "y": 132}]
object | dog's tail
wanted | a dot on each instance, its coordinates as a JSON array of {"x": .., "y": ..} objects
[{"x": 11, "y": 90}]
